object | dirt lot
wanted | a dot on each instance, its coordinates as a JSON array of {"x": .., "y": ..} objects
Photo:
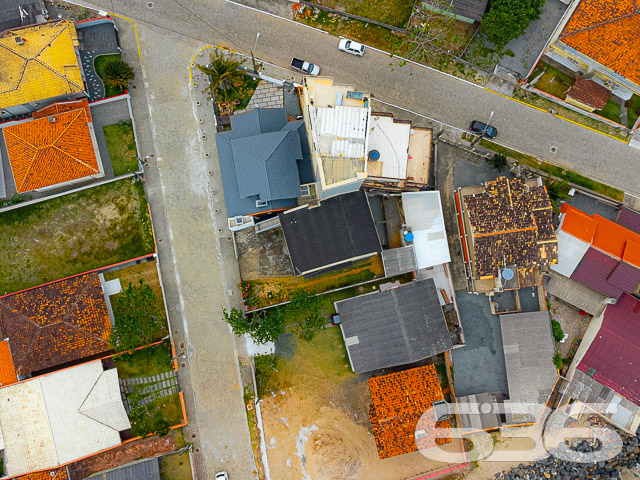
[{"x": 315, "y": 415}]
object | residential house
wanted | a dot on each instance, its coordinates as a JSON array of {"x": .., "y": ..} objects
[
  {"x": 40, "y": 65},
  {"x": 507, "y": 234},
  {"x": 265, "y": 164},
  {"x": 338, "y": 119},
  {"x": 146, "y": 469},
  {"x": 330, "y": 234},
  {"x": 588, "y": 95},
  {"x": 55, "y": 148},
  {"x": 60, "y": 417},
  {"x": 55, "y": 325},
  {"x": 603, "y": 377},
  {"x": 398, "y": 326},
  {"x": 399, "y": 154},
  {"x": 19, "y": 13},
  {"x": 598, "y": 40},
  {"x": 468, "y": 11},
  {"x": 528, "y": 350},
  {"x": 602, "y": 256},
  {"x": 403, "y": 412}
]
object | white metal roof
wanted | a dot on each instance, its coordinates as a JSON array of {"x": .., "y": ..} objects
[
  {"x": 570, "y": 252},
  {"x": 423, "y": 214},
  {"x": 342, "y": 131},
  {"x": 391, "y": 139}
]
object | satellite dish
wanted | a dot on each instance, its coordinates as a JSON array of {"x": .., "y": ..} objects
[{"x": 507, "y": 274}]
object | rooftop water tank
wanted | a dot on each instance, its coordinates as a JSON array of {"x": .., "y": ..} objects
[
  {"x": 374, "y": 155},
  {"x": 408, "y": 237},
  {"x": 507, "y": 274}
]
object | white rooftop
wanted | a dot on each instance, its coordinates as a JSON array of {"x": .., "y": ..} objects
[
  {"x": 60, "y": 417},
  {"x": 391, "y": 140},
  {"x": 423, "y": 214},
  {"x": 342, "y": 130}
]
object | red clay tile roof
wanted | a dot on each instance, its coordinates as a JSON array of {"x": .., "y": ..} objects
[
  {"x": 57, "y": 323},
  {"x": 7, "y": 370},
  {"x": 609, "y": 33},
  {"x": 60, "y": 107},
  {"x": 399, "y": 401},
  {"x": 44, "y": 153},
  {"x": 590, "y": 93},
  {"x": 55, "y": 474},
  {"x": 614, "y": 355}
]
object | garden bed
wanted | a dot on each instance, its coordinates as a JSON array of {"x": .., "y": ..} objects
[
  {"x": 145, "y": 362},
  {"x": 74, "y": 233},
  {"x": 122, "y": 149},
  {"x": 552, "y": 81},
  {"x": 99, "y": 63}
]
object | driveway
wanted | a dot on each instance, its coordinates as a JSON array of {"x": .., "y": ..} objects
[{"x": 95, "y": 40}]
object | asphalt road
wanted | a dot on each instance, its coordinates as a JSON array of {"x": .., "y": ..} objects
[{"x": 422, "y": 90}]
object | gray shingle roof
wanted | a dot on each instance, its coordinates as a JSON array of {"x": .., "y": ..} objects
[
  {"x": 144, "y": 470},
  {"x": 399, "y": 260},
  {"x": 473, "y": 9},
  {"x": 399, "y": 326}
]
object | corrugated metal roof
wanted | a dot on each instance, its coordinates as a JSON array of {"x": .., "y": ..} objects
[
  {"x": 399, "y": 260},
  {"x": 340, "y": 131},
  {"x": 629, "y": 218},
  {"x": 143, "y": 470},
  {"x": 576, "y": 294},
  {"x": 614, "y": 354},
  {"x": 593, "y": 271},
  {"x": 423, "y": 214}
]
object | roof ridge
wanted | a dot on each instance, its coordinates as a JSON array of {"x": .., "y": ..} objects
[
  {"x": 261, "y": 161},
  {"x": 24, "y": 68},
  {"x": 603, "y": 23}
]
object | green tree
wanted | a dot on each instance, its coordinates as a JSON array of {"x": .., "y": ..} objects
[
  {"x": 557, "y": 360},
  {"x": 432, "y": 31},
  {"x": 305, "y": 311},
  {"x": 556, "y": 329},
  {"x": 557, "y": 190},
  {"x": 223, "y": 70},
  {"x": 508, "y": 19},
  {"x": 145, "y": 420},
  {"x": 118, "y": 74},
  {"x": 498, "y": 161},
  {"x": 263, "y": 327},
  {"x": 137, "y": 318},
  {"x": 239, "y": 323}
]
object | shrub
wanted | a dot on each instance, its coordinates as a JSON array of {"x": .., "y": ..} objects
[
  {"x": 557, "y": 360},
  {"x": 556, "y": 329}
]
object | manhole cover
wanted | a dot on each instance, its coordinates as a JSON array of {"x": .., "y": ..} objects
[
  {"x": 150, "y": 4},
  {"x": 554, "y": 149}
]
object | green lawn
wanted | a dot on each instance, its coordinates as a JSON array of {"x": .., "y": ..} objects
[
  {"x": 175, "y": 467},
  {"x": 74, "y": 233},
  {"x": 170, "y": 408},
  {"x": 122, "y": 147},
  {"x": 559, "y": 172},
  {"x": 99, "y": 63},
  {"x": 633, "y": 110},
  {"x": 145, "y": 361},
  {"x": 391, "y": 12},
  {"x": 552, "y": 81},
  {"x": 611, "y": 111}
]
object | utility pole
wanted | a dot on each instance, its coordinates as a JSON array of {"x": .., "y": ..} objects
[{"x": 253, "y": 59}]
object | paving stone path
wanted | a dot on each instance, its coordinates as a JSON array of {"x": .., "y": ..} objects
[
  {"x": 151, "y": 387},
  {"x": 267, "y": 95}
]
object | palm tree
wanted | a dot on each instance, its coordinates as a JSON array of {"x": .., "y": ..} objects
[
  {"x": 118, "y": 74},
  {"x": 557, "y": 190},
  {"x": 224, "y": 74},
  {"x": 498, "y": 161}
]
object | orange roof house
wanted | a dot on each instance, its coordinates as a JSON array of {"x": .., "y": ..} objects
[
  {"x": 402, "y": 416},
  {"x": 55, "y": 324},
  {"x": 57, "y": 146}
]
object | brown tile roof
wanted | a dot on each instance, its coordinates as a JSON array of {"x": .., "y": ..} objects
[
  {"x": 609, "y": 33},
  {"x": 7, "y": 370},
  {"x": 55, "y": 474},
  {"x": 511, "y": 224},
  {"x": 44, "y": 152},
  {"x": 57, "y": 323},
  {"x": 60, "y": 107},
  {"x": 401, "y": 406},
  {"x": 590, "y": 93}
]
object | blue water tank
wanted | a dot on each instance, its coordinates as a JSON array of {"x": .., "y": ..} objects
[
  {"x": 374, "y": 155},
  {"x": 408, "y": 237}
]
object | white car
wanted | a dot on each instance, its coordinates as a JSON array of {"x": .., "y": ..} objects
[
  {"x": 222, "y": 476},
  {"x": 349, "y": 46}
]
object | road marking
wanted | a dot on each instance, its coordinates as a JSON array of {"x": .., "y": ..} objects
[
  {"x": 135, "y": 31},
  {"x": 277, "y": 16},
  {"x": 558, "y": 116}
]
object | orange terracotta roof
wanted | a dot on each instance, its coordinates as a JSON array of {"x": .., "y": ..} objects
[
  {"x": 60, "y": 107},
  {"x": 609, "y": 33},
  {"x": 55, "y": 324},
  {"x": 54, "y": 474},
  {"x": 7, "y": 370},
  {"x": 401, "y": 406},
  {"x": 578, "y": 223},
  {"x": 44, "y": 152},
  {"x": 590, "y": 93}
]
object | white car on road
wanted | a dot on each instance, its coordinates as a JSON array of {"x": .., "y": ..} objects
[{"x": 349, "y": 46}]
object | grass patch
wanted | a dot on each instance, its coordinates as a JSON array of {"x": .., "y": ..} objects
[
  {"x": 175, "y": 466},
  {"x": 74, "y": 233},
  {"x": 391, "y": 12},
  {"x": 99, "y": 63},
  {"x": 122, "y": 147},
  {"x": 441, "y": 368},
  {"x": 170, "y": 408},
  {"x": 324, "y": 357},
  {"x": 145, "y": 361},
  {"x": 147, "y": 272},
  {"x": 611, "y": 110},
  {"x": 553, "y": 81},
  {"x": 540, "y": 102},
  {"x": 558, "y": 172},
  {"x": 269, "y": 291},
  {"x": 633, "y": 110}
]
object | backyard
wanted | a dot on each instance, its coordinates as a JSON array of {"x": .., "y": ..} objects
[
  {"x": 122, "y": 147},
  {"x": 175, "y": 466},
  {"x": 74, "y": 233},
  {"x": 99, "y": 64},
  {"x": 611, "y": 110},
  {"x": 552, "y": 80}
]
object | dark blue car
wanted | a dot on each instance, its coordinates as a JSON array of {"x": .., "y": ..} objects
[{"x": 483, "y": 129}]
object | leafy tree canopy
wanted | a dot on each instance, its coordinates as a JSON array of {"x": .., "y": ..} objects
[{"x": 508, "y": 19}]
